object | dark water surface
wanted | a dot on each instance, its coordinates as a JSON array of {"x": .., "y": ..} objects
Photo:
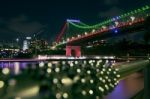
[{"x": 128, "y": 87}]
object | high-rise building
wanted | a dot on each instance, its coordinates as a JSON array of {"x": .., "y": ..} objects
[{"x": 25, "y": 45}]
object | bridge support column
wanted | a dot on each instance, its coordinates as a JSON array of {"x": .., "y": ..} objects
[{"x": 73, "y": 51}]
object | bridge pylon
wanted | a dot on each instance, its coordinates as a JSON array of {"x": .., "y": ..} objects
[{"x": 74, "y": 51}]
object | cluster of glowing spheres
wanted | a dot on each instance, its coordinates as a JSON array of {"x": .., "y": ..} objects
[
  {"x": 83, "y": 78},
  {"x": 87, "y": 79}
]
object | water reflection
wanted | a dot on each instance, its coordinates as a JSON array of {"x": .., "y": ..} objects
[
  {"x": 128, "y": 87},
  {"x": 13, "y": 64}
]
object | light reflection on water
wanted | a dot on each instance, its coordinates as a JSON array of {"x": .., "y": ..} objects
[
  {"x": 125, "y": 89},
  {"x": 16, "y": 67},
  {"x": 13, "y": 64}
]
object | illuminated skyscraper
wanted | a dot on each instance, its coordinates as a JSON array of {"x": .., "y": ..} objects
[{"x": 25, "y": 45}]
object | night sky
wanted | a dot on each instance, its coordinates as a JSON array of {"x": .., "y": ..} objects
[{"x": 20, "y": 18}]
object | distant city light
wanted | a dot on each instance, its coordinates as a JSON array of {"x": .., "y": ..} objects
[
  {"x": 116, "y": 23},
  {"x": 113, "y": 19},
  {"x": 17, "y": 39},
  {"x": 117, "y": 17},
  {"x": 28, "y": 38},
  {"x": 132, "y": 18},
  {"x": 85, "y": 33},
  {"x": 93, "y": 30},
  {"x": 116, "y": 31}
]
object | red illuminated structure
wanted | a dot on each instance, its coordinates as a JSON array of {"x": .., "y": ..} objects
[
  {"x": 74, "y": 51},
  {"x": 61, "y": 34}
]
